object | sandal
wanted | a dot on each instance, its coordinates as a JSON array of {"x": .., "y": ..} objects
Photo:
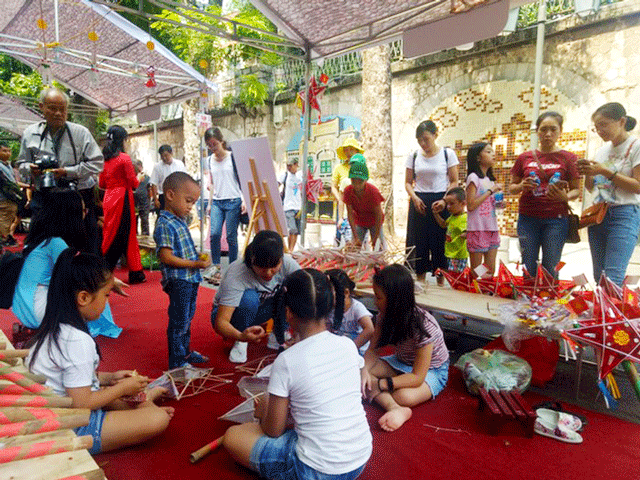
[
  {"x": 195, "y": 357},
  {"x": 559, "y": 408}
]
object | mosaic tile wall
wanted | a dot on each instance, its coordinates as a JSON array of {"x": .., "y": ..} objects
[{"x": 499, "y": 113}]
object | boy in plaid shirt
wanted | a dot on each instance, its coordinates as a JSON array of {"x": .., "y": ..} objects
[{"x": 180, "y": 265}]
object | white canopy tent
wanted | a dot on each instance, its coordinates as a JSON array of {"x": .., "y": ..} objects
[{"x": 97, "y": 53}]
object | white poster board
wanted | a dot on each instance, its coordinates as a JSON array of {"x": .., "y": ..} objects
[{"x": 258, "y": 149}]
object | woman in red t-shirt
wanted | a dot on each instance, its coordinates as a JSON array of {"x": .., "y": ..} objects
[
  {"x": 364, "y": 206},
  {"x": 547, "y": 180}
]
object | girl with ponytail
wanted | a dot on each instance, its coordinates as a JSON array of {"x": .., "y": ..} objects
[{"x": 64, "y": 352}]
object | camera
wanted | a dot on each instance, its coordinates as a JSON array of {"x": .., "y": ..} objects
[{"x": 46, "y": 163}]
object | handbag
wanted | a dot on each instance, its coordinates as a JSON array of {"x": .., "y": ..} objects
[
  {"x": 573, "y": 236},
  {"x": 594, "y": 214}
]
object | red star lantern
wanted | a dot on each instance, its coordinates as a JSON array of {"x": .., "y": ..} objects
[
  {"x": 613, "y": 335},
  {"x": 459, "y": 280},
  {"x": 315, "y": 92},
  {"x": 151, "y": 74}
]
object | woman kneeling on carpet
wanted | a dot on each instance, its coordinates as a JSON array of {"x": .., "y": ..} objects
[
  {"x": 64, "y": 352},
  {"x": 317, "y": 380},
  {"x": 420, "y": 367}
]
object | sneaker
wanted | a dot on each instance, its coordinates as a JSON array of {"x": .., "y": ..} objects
[
  {"x": 272, "y": 342},
  {"x": 238, "y": 352},
  {"x": 195, "y": 357}
]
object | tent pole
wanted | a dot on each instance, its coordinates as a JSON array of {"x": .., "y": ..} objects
[
  {"x": 542, "y": 20},
  {"x": 57, "y": 24},
  {"x": 305, "y": 144}
]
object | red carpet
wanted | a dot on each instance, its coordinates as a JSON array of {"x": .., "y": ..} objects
[{"x": 445, "y": 439}]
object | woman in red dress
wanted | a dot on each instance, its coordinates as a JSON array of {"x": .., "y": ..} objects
[{"x": 118, "y": 179}]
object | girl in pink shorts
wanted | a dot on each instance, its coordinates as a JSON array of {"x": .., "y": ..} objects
[{"x": 483, "y": 237}]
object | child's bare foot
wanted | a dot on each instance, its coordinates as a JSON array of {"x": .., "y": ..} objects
[
  {"x": 170, "y": 411},
  {"x": 155, "y": 393},
  {"x": 395, "y": 418}
]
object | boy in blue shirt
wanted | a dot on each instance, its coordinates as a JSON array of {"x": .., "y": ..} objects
[{"x": 180, "y": 265}]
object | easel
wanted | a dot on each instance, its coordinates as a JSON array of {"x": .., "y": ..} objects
[{"x": 261, "y": 201}]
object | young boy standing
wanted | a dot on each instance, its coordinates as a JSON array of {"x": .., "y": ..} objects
[
  {"x": 180, "y": 265},
  {"x": 455, "y": 247},
  {"x": 8, "y": 208}
]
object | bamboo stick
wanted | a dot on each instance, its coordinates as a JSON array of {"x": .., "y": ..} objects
[
  {"x": 26, "y": 414},
  {"x": 97, "y": 474},
  {"x": 37, "y": 437},
  {"x": 34, "y": 401},
  {"x": 42, "y": 448},
  {"x": 10, "y": 354},
  {"x": 42, "y": 426},
  {"x": 206, "y": 450},
  {"x": 7, "y": 373}
]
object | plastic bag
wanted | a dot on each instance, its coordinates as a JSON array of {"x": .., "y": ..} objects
[{"x": 493, "y": 370}]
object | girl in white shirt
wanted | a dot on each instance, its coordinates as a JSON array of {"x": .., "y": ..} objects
[
  {"x": 64, "y": 352},
  {"x": 351, "y": 318},
  {"x": 317, "y": 380}
]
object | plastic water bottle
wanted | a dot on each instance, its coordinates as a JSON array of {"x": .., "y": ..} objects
[
  {"x": 555, "y": 178},
  {"x": 498, "y": 198},
  {"x": 533, "y": 175}
]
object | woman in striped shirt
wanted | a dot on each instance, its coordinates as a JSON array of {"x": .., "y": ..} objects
[{"x": 419, "y": 369}]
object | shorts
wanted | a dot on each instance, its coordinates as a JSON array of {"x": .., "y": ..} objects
[
  {"x": 482, "y": 242},
  {"x": 293, "y": 221},
  {"x": 456, "y": 264},
  {"x": 436, "y": 377},
  {"x": 94, "y": 429},
  {"x": 275, "y": 458}
]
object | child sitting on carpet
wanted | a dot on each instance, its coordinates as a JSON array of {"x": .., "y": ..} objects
[
  {"x": 420, "y": 367},
  {"x": 64, "y": 352},
  {"x": 350, "y": 318},
  {"x": 318, "y": 380},
  {"x": 180, "y": 265}
]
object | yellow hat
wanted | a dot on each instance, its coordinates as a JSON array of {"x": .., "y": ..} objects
[{"x": 349, "y": 142}]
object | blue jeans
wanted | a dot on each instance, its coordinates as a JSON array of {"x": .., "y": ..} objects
[
  {"x": 548, "y": 233},
  {"x": 612, "y": 242},
  {"x": 275, "y": 458},
  {"x": 252, "y": 311},
  {"x": 225, "y": 211},
  {"x": 182, "y": 307}
]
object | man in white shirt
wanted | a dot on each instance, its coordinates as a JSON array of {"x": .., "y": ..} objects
[
  {"x": 292, "y": 199},
  {"x": 162, "y": 170}
]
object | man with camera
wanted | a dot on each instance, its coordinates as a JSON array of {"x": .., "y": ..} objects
[{"x": 58, "y": 155}]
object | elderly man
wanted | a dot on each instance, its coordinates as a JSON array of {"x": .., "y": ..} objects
[
  {"x": 76, "y": 151},
  {"x": 162, "y": 170}
]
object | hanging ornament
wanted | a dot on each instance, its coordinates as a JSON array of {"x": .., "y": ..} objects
[
  {"x": 42, "y": 25},
  {"x": 204, "y": 99},
  {"x": 203, "y": 64},
  {"x": 151, "y": 45},
  {"x": 151, "y": 75},
  {"x": 93, "y": 36},
  {"x": 93, "y": 77}
]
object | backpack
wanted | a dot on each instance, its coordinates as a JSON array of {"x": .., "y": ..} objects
[
  {"x": 244, "y": 217},
  {"x": 10, "y": 268},
  {"x": 10, "y": 190},
  {"x": 415, "y": 154}
]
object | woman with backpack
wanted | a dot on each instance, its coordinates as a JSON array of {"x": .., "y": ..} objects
[{"x": 430, "y": 171}]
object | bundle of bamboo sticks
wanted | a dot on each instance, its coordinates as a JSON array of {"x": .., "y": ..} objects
[{"x": 34, "y": 421}]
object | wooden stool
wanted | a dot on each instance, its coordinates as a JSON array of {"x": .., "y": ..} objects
[{"x": 505, "y": 407}]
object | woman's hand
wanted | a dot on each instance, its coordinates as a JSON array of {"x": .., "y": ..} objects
[
  {"x": 529, "y": 184},
  {"x": 254, "y": 333},
  {"x": 588, "y": 167},
  {"x": 259, "y": 406},
  {"x": 497, "y": 187},
  {"x": 558, "y": 191},
  {"x": 419, "y": 205},
  {"x": 121, "y": 375},
  {"x": 243, "y": 208}
]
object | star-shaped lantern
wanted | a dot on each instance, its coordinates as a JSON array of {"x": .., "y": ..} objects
[{"x": 614, "y": 336}]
